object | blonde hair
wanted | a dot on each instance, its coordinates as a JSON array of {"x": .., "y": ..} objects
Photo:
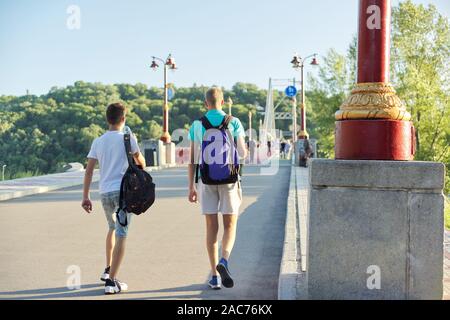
[{"x": 214, "y": 96}]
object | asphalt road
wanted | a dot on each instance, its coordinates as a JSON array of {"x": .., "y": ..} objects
[{"x": 43, "y": 237}]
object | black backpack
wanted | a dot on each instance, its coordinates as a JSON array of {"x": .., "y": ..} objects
[{"x": 137, "y": 190}]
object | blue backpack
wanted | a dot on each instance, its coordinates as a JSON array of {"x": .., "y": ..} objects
[{"x": 219, "y": 163}]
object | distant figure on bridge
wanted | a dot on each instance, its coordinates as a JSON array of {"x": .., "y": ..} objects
[
  {"x": 287, "y": 149},
  {"x": 109, "y": 151},
  {"x": 252, "y": 146},
  {"x": 283, "y": 149},
  {"x": 219, "y": 189},
  {"x": 305, "y": 153}
]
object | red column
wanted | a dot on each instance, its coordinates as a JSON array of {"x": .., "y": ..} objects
[
  {"x": 374, "y": 40},
  {"x": 303, "y": 134},
  {"x": 166, "y": 135},
  {"x": 373, "y": 124}
]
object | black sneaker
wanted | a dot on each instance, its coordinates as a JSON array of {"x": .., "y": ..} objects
[
  {"x": 115, "y": 286},
  {"x": 225, "y": 275},
  {"x": 105, "y": 274}
]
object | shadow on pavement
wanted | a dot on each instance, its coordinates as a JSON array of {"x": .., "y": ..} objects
[{"x": 55, "y": 293}]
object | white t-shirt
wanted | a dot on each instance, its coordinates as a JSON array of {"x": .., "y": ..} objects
[{"x": 109, "y": 150}]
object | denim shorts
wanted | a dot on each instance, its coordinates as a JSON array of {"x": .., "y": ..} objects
[{"x": 110, "y": 203}]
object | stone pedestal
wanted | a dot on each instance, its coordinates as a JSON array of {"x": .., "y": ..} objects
[
  {"x": 161, "y": 153},
  {"x": 375, "y": 230},
  {"x": 170, "y": 153}
]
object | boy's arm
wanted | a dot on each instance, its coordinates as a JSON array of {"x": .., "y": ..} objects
[
  {"x": 86, "y": 203},
  {"x": 137, "y": 155},
  {"x": 239, "y": 135},
  {"x": 241, "y": 147},
  {"x": 191, "y": 170},
  {"x": 140, "y": 160}
]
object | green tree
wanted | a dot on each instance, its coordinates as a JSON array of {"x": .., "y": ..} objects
[
  {"x": 420, "y": 73},
  {"x": 327, "y": 92}
]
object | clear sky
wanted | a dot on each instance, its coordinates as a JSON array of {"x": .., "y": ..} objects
[{"x": 213, "y": 42}]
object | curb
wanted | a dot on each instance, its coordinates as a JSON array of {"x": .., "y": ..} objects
[
  {"x": 14, "y": 194},
  {"x": 292, "y": 280},
  {"x": 290, "y": 264}
]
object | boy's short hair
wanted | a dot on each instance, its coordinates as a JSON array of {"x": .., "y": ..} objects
[
  {"x": 115, "y": 112},
  {"x": 214, "y": 96}
]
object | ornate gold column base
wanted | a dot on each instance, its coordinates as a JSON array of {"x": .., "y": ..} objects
[
  {"x": 166, "y": 138},
  {"x": 302, "y": 134},
  {"x": 376, "y": 100}
]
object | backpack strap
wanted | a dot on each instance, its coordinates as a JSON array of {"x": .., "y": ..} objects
[
  {"x": 205, "y": 122},
  {"x": 126, "y": 140},
  {"x": 225, "y": 122},
  {"x": 122, "y": 206},
  {"x": 197, "y": 167},
  {"x": 223, "y": 125}
]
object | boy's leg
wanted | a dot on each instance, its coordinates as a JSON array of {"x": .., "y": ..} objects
[
  {"x": 212, "y": 246},
  {"x": 110, "y": 240},
  {"x": 109, "y": 203},
  {"x": 118, "y": 254},
  {"x": 230, "y": 201},
  {"x": 229, "y": 234},
  {"x": 119, "y": 247},
  {"x": 112, "y": 285}
]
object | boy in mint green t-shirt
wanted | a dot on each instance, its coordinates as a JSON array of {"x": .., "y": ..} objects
[{"x": 225, "y": 198}]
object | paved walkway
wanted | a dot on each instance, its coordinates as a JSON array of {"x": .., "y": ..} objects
[{"x": 42, "y": 236}]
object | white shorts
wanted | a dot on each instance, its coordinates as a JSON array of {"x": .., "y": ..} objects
[{"x": 223, "y": 198}]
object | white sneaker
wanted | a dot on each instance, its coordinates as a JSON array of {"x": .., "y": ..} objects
[
  {"x": 115, "y": 286},
  {"x": 105, "y": 274}
]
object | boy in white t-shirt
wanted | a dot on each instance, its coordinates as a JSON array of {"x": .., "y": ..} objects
[{"x": 109, "y": 151}]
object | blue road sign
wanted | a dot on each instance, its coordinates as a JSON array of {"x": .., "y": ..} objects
[
  {"x": 290, "y": 91},
  {"x": 170, "y": 93}
]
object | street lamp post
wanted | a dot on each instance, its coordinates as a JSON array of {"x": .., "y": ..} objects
[
  {"x": 230, "y": 104},
  {"x": 3, "y": 172},
  {"x": 299, "y": 63},
  {"x": 169, "y": 63},
  {"x": 250, "y": 126},
  {"x": 294, "y": 119}
]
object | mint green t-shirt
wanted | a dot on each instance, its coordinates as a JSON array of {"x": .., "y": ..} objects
[{"x": 214, "y": 116}]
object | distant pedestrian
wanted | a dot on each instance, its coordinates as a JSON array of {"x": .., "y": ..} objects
[
  {"x": 253, "y": 151},
  {"x": 305, "y": 153},
  {"x": 287, "y": 149},
  {"x": 217, "y": 139},
  {"x": 109, "y": 151},
  {"x": 269, "y": 148},
  {"x": 283, "y": 149}
]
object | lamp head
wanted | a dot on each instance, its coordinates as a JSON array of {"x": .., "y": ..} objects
[
  {"x": 296, "y": 61},
  {"x": 154, "y": 65},
  {"x": 170, "y": 60}
]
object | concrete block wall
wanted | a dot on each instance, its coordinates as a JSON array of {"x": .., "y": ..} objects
[{"x": 372, "y": 219}]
